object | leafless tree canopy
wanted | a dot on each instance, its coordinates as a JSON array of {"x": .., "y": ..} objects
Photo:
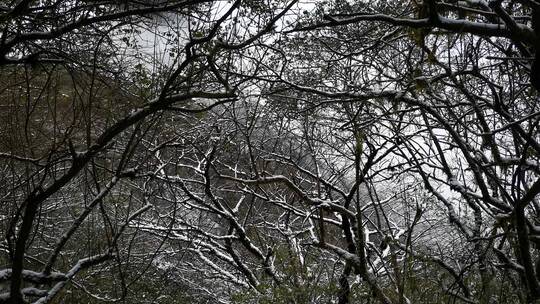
[{"x": 269, "y": 151}]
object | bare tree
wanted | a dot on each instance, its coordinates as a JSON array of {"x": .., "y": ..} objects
[
  {"x": 253, "y": 151},
  {"x": 84, "y": 96}
]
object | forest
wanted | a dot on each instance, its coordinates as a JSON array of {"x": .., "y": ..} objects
[{"x": 269, "y": 151}]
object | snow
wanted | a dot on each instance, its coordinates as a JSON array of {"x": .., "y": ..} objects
[
  {"x": 34, "y": 292},
  {"x": 33, "y": 276}
]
